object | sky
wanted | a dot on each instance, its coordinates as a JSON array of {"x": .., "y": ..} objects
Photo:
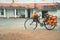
[
  {"x": 39, "y": 1},
  {"x": 30, "y": 1},
  {"x": 57, "y": 1}
]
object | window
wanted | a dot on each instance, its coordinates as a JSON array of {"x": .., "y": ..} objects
[{"x": 2, "y": 12}]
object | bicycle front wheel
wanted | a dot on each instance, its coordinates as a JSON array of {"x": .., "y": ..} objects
[{"x": 29, "y": 24}]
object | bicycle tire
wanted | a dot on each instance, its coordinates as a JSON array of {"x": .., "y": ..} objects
[
  {"x": 47, "y": 27},
  {"x": 27, "y": 24}
]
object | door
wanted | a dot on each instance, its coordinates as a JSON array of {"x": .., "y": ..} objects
[
  {"x": 28, "y": 11},
  {"x": 10, "y": 13}
]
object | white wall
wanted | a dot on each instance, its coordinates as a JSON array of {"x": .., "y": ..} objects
[
  {"x": 40, "y": 14},
  {"x": 57, "y": 1},
  {"x": 56, "y": 13},
  {"x": 52, "y": 12},
  {"x": 31, "y": 12}
]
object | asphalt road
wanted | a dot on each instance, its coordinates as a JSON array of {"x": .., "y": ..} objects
[{"x": 19, "y": 24}]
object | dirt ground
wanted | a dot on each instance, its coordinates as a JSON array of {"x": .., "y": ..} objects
[{"x": 29, "y": 35}]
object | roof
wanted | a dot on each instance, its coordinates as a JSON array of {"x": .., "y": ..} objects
[
  {"x": 27, "y": 5},
  {"x": 16, "y": 5},
  {"x": 40, "y": 5}
]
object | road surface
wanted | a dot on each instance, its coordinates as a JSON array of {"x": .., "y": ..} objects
[
  {"x": 19, "y": 24},
  {"x": 13, "y": 29}
]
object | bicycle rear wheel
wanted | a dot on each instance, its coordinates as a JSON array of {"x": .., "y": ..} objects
[
  {"x": 49, "y": 27},
  {"x": 29, "y": 24}
]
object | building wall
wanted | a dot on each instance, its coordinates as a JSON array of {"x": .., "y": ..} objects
[
  {"x": 40, "y": 14},
  {"x": 58, "y": 13},
  {"x": 52, "y": 12},
  {"x": 21, "y": 13},
  {"x": 55, "y": 13}
]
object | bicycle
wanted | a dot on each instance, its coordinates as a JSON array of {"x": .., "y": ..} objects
[{"x": 29, "y": 25}]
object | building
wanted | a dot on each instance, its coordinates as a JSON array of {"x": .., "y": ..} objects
[{"x": 23, "y": 8}]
